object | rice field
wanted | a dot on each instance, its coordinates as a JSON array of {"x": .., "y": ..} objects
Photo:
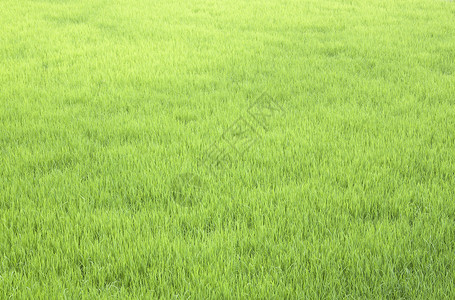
[{"x": 213, "y": 149}]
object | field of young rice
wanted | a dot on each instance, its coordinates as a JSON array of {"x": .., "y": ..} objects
[{"x": 215, "y": 149}]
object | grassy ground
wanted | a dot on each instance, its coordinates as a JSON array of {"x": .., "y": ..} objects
[{"x": 119, "y": 177}]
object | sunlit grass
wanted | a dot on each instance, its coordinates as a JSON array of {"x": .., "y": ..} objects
[{"x": 110, "y": 109}]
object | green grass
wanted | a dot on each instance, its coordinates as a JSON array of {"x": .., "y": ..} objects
[{"x": 108, "y": 109}]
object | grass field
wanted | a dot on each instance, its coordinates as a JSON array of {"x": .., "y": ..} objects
[{"x": 219, "y": 149}]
